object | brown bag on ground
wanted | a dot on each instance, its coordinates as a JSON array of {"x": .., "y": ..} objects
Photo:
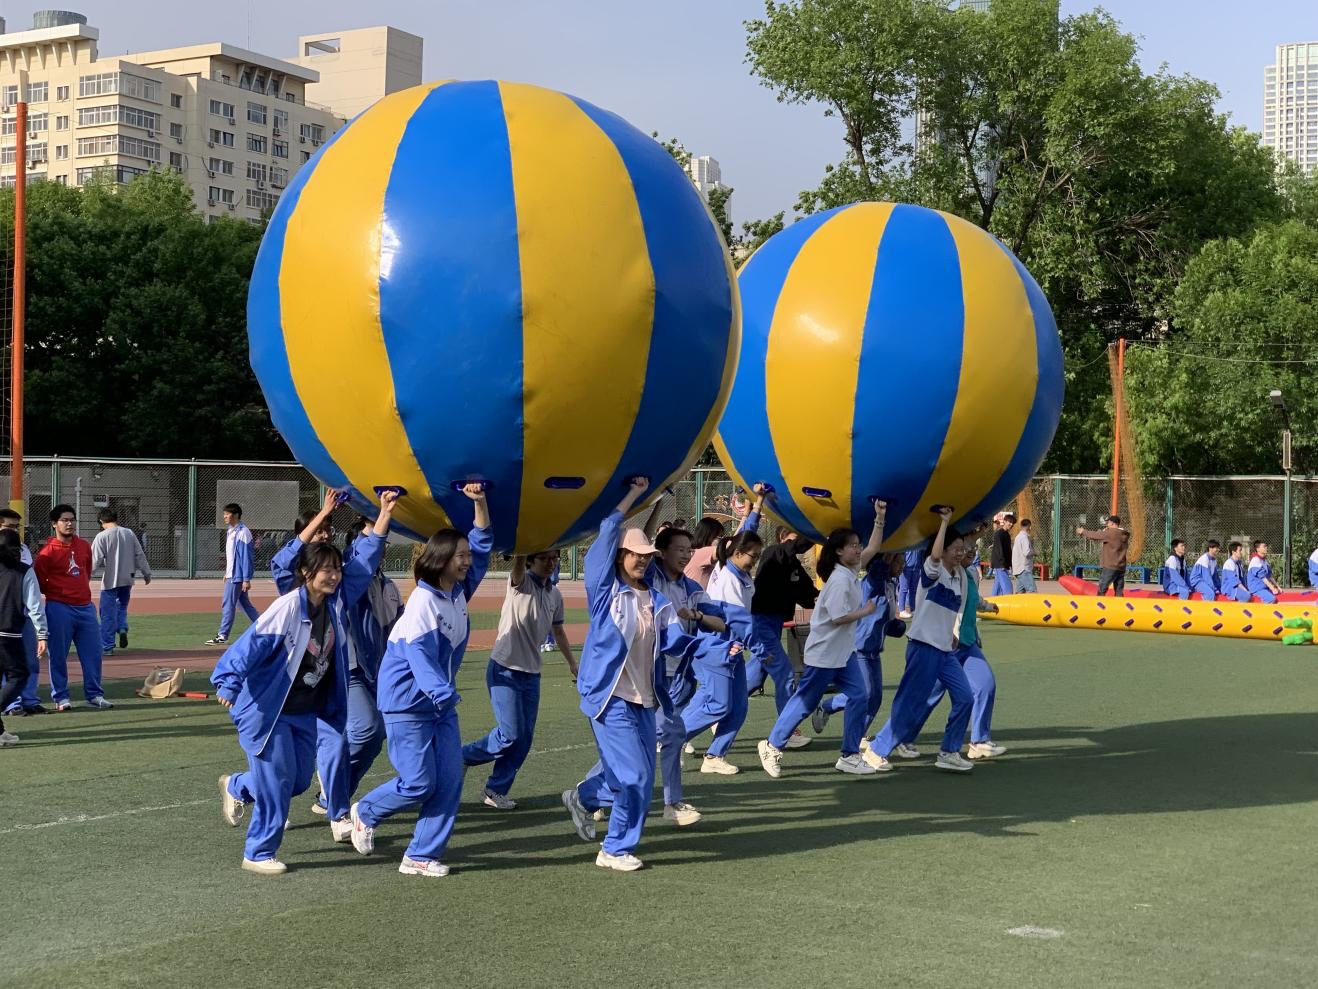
[{"x": 162, "y": 682}]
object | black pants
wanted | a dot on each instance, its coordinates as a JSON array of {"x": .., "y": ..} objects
[
  {"x": 13, "y": 670},
  {"x": 1116, "y": 578}
]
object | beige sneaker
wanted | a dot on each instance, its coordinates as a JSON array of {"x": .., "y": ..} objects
[
  {"x": 953, "y": 762},
  {"x": 985, "y": 750},
  {"x": 798, "y": 741},
  {"x": 415, "y": 867},
  {"x": 771, "y": 758},
  {"x": 341, "y": 831},
  {"x": 906, "y": 751},
  {"x": 681, "y": 814},
  {"x": 717, "y": 765},
  {"x": 854, "y": 765},
  {"x": 876, "y": 761},
  {"x": 7, "y": 738},
  {"x": 231, "y": 808},
  {"x": 626, "y": 862},
  {"x": 265, "y": 867}
]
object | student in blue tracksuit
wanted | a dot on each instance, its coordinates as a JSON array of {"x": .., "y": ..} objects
[
  {"x": 1259, "y": 576},
  {"x": 931, "y": 644},
  {"x": 1313, "y": 569},
  {"x": 721, "y": 698},
  {"x": 417, "y": 695},
  {"x": 909, "y": 581},
  {"x": 238, "y": 569},
  {"x": 622, "y": 681},
  {"x": 1233, "y": 575},
  {"x": 311, "y": 527},
  {"x": 830, "y": 657},
  {"x": 287, "y": 671},
  {"x": 1204, "y": 580},
  {"x": 1175, "y": 581}
]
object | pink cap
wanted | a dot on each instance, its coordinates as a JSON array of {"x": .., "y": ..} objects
[{"x": 634, "y": 540}]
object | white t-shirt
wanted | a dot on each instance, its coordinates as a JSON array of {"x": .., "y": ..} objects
[
  {"x": 939, "y": 602},
  {"x": 829, "y": 646},
  {"x": 530, "y": 610}
]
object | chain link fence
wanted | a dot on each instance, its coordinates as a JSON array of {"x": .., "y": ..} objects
[{"x": 175, "y": 507}]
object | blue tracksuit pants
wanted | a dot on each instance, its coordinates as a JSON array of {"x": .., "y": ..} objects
[
  {"x": 671, "y": 733},
  {"x": 428, "y": 756},
  {"x": 871, "y": 668},
  {"x": 76, "y": 626},
  {"x": 906, "y": 585},
  {"x": 1001, "y": 581},
  {"x": 341, "y": 774},
  {"x": 720, "y": 699},
  {"x": 28, "y": 695},
  {"x": 234, "y": 597},
  {"x": 114, "y": 614},
  {"x": 814, "y": 682},
  {"x": 769, "y": 659},
  {"x": 273, "y": 779},
  {"x": 983, "y": 686},
  {"x": 926, "y": 666},
  {"x": 625, "y": 737},
  {"x": 515, "y": 697}
]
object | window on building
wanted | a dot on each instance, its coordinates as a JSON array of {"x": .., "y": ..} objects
[
  {"x": 61, "y": 152},
  {"x": 36, "y": 152},
  {"x": 102, "y": 144},
  {"x": 115, "y": 173},
  {"x": 278, "y": 176},
  {"x": 219, "y": 195},
  {"x": 281, "y": 121},
  {"x": 219, "y": 166},
  {"x": 256, "y": 113},
  {"x": 260, "y": 199},
  {"x": 8, "y": 154},
  {"x": 306, "y": 156},
  {"x": 222, "y": 109},
  {"x": 142, "y": 89},
  {"x": 61, "y": 93},
  {"x": 38, "y": 122},
  {"x": 38, "y": 92},
  {"x": 134, "y": 117},
  {"x": 61, "y": 123},
  {"x": 176, "y": 130},
  {"x": 312, "y": 132},
  {"x": 279, "y": 149},
  {"x": 9, "y": 95},
  {"x": 97, "y": 116},
  {"x": 256, "y": 142},
  {"x": 138, "y": 148},
  {"x": 98, "y": 85},
  {"x": 256, "y": 171},
  {"x": 61, "y": 180},
  {"x": 8, "y": 125},
  {"x": 176, "y": 100},
  {"x": 176, "y": 161},
  {"x": 221, "y": 138}
]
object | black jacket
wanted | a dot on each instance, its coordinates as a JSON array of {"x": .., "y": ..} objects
[
  {"x": 1000, "y": 558},
  {"x": 781, "y": 583}
]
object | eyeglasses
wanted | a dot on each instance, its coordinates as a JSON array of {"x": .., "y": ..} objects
[{"x": 68, "y": 521}]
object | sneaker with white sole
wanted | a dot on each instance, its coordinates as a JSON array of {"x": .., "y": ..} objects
[
  {"x": 626, "y": 862},
  {"x": 718, "y": 766},
  {"x": 363, "y": 837},
  {"x": 600, "y": 815},
  {"x": 986, "y": 750},
  {"x": 819, "y": 720},
  {"x": 499, "y": 801},
  {"x": 341, "y": 829},
  {"x": 681, "y": 814},
  {"x": 798, "y": 741},
  {"x": 771, "y": 758},
  {"x": 953, "y": 762},
  {"x": 7, "y": 738},
  {"x": 231, "y": 808},
  {"x": 265, "y": 867},
  {"x": 219, "y": 640},
  {"x": 581, "y": 818},
  {"x": 688, "y": 749},
  {"x": 906, "y": 751},
  {"x": 904, "y": 615},
  {"x": 62, "y": 706},
  {"x": 318, "y": 806},
  {"x": 854, "y": 765},
  {"x": 875, "y": 761},
  {"x": 415, "y": 867},
  {"x": 99, "y": 704},
  {"x": 864, "y": 744}
]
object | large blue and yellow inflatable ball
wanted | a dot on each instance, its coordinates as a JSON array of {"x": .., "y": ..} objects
[
  {"x": 494, "y": 281},
  {"x": 890, "y": 351}
]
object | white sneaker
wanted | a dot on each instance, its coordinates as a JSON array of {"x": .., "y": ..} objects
[
  {"x": 498, "y": 801},
  {"x": 798, "y": 741},
  {"x": 363, "y": 837},
  {"x": 854, "y": 765},
  {"x": 688, "y": 749},
  {"x": 906, "y": 751},
  {"x": 903, "y": 615},
  {"x": 876, "y": 761},
  {"x": 547, "y": 647},
  {"x": 953, "y": 762},
  {"x": 318, "y": 806},
  {"x": 341, "y": 829},
  {"x": 99, "y": 704},
  {"x": 986, "y": 750},
  {"x": 682, "y": 814},
  {"x": 581, "y": 819},
  {"x": 719, "y": 766},
  {"x": 412, "y": 867},
  {"x": 819, "y": 720},
  {"x": 7, "y": 738},
  {"x": 626, "y": 862},
  {"x": 771, "y": 758},
  {"x": 265, "y": 867},
  {"x": 864, "y": 744},
  {"x": 231, "y": 808}
]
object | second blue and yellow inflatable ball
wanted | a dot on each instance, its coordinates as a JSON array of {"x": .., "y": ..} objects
[
  {"x": 890, "y": 351},
  {"x": 493, "y": 281}
]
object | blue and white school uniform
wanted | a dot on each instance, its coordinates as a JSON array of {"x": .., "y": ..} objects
[
  {"x": 1204, "y": 580},
  {"x": 871, "y": 633},
  {"x": 1233, "y": 581},
  {"x": 830, "y": 658},
  {"x": 417, "y": 695},
  {"x": 1260, "y": 570},
  {"x": 909, "y": 580},
  {"x": 983, "y": 685},
  {"x": 1173, "y": 578},
  {"x": 721, "y": 697},
  {"x": 931, "y": 658},
  {"x": 238, "y": 569},
  {"x": 1313, "y": 569},
  {"x": 620, "y": 697}
]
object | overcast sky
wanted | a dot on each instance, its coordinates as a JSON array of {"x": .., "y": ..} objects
[{"x": 676, "y": 66}]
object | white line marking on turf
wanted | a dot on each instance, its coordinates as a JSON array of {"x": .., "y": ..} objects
[
  {"x": 1038, "y": 933},
  {"x": 89, "y": 818}
]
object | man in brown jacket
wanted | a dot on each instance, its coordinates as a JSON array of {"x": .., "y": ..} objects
[{"x": 1112, "y": 557}]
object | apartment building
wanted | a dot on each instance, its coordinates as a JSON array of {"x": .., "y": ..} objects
[{"x": 1290, "y": 104}]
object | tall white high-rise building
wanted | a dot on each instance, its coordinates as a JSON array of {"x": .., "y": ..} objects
[
  {"x": 706, "y": 176},
  {"x": 1290, "y": 104}
]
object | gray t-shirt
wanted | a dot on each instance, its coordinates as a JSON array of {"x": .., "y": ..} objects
[
  {"x": 118, "y": 550},
  {"x": 530, "y": 610}
]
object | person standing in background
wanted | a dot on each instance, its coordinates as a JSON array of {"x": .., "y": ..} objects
[
  {"x": 26, "y": 703},
  {"x": 1001, "y": 552},
  {"x": 1022, "y": 560},
  {"x": 64, "y": 568},
  {"x": 118, "y": 552},
  {"x": 1112, "y": 557},
  {"x": 238, "y": 570}
]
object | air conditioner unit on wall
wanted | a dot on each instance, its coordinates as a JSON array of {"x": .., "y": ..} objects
[
  {"x": 231, "y": 207},
  {"x": 179, "y": 140},
  {"x": 302, "y": 139}
]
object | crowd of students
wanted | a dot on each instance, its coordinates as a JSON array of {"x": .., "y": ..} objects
[
  {"x": 684, "y": 627},
  {"x": 1231, "y": 579}
]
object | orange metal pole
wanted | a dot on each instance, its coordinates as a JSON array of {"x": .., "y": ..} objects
[{"x": 20, "y": 314}]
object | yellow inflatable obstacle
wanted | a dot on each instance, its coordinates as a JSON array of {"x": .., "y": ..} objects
[{"x": 1223, "y": 618}]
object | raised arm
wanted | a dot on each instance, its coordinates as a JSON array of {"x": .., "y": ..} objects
[
  {"x": 321, "y": 517},
  {"x": 652, "y": 520},
  {"x": 603, "y": 551},
  {"x": 518, "y": 573},
  {"x": 388, "y": 502},
  {"x": 481, "y": 539},
  {"x": 940, "y": 540},
  {"x": 871, "y": 549},
  {"x": 752, "y": 520}
]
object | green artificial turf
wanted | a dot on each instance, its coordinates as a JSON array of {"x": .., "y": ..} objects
[{"x": 1155, "y": 820}]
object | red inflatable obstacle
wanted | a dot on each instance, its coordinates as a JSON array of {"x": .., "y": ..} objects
[{"x": 1082, "y": 588}]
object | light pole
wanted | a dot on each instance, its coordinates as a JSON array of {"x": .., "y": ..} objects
[{"x": 1279, "y": 403}]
